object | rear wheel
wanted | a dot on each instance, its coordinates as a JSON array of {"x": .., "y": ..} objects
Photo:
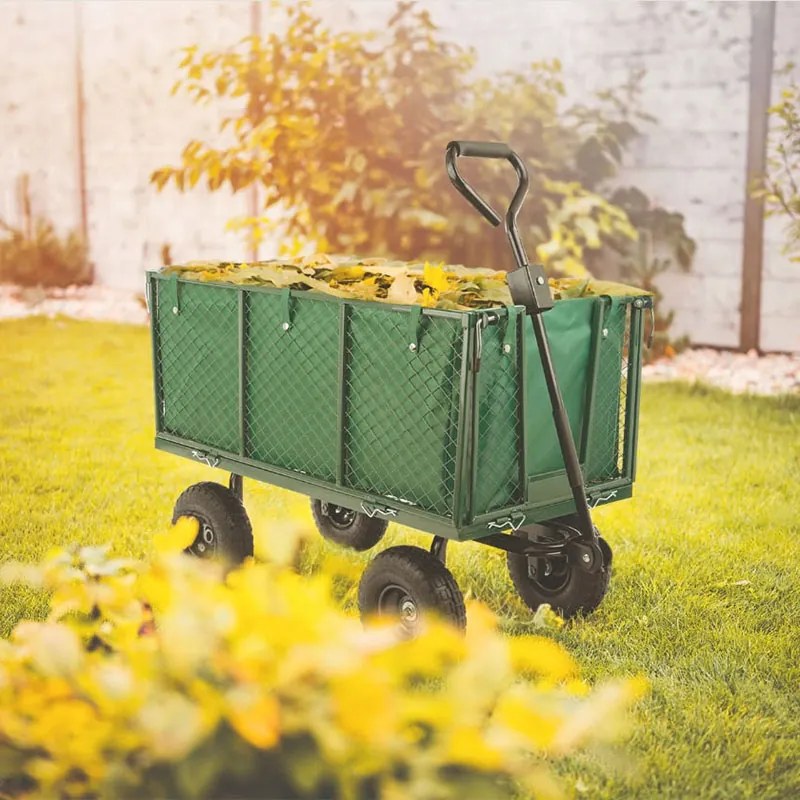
[
  {"x": 410, "y": 585},
  {"x": 346, "y": 527},
  {"x": 225, "y": 531},
  {"x": 566, "y": 587}
]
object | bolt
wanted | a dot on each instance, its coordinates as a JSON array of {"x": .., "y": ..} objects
[
  {"x": 201, "y": 547},
  {"x": 412, "y": 347},
  {"x": 638, "y": 303},
  {"x": 506, "y": 348},
  {"x": 605, "y": 333},
  {"x": 285, "y": 326},
  {"x": 174, "y": 309},
  {"x": 540, "y": 280},
  {"x": 586, "y": 558}
]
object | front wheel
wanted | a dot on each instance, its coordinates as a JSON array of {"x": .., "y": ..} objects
[
  {"x": 408, "y": 584},
  {"x": 567, "y": 588}
]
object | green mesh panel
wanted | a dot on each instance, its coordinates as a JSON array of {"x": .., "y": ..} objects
[
  {"x": 402, "y": 407},
  {"x": 606, "y": 444},
  {"x": 197, "y": 352},
  {"x": 291, "y": 383},
  {"x": 498, "y": 483}
]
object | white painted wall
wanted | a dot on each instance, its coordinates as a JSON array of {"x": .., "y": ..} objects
[{"x": 693, "y": 159}]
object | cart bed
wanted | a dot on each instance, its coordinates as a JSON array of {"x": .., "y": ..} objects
[{"x": 439, "y": 419}]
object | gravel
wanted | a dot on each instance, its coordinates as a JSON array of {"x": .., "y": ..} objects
[
  {"x": 740, "y": 373},
  {"x": 79, "y": 302}
]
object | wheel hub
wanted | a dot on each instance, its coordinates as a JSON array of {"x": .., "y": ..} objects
[
  {"x": 550, "y": 574},
  {"x": 340, "y": 517},
  {"x": 206, "y": 542},
  {"x": 408, "y": 610},
  {"x": 395, "y": 601}
]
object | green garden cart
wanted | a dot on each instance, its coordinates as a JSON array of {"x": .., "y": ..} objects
[{"x": 504, "y": 426}]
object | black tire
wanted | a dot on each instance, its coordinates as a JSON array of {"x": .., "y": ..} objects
[
  {"x": 570, "y": 590},
  {"x": 225, "y": 530},
  {"x": 346, "y": 527},
  {"x": 411, "y": 584}
]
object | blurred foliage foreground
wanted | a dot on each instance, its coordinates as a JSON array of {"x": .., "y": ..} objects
[{"x": 170, "y": 679}]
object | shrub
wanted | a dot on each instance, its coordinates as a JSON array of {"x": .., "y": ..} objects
[
  {"x": 781, "y": 186},
  {"x": 256, "y": 684},
  {"x": 35, "y": 255}
]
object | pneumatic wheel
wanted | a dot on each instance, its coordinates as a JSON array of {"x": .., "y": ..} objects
[
  {"x": 410, "y": 585},
  {"x": 567, "y": 588},
  {"x": 225, "y": 531},
  {"x": 346, "y": 527}
]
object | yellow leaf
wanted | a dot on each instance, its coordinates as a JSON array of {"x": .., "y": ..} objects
[
  {"x": 435, "y": 277},
  {"x": 403, "y": 290}
]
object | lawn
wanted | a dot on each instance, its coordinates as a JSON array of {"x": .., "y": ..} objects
[{"x": 705, "y": 599}]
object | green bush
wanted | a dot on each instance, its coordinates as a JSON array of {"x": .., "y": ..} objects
[{"x": 170, "y": 680}]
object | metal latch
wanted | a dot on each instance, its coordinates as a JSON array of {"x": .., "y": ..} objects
[
  {"x": 206, "y": 458},
  {"x": 382, "y": 511},
  {"x": 512, "y": 522}
]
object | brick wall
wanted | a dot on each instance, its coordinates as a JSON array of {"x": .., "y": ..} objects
[{"x": 696, "y": 58}]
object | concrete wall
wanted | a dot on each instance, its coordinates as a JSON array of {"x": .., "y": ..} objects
[{"x": 696, "y": 58}]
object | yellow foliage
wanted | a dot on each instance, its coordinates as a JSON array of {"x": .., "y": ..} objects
[{"x": 255, "y": 683}]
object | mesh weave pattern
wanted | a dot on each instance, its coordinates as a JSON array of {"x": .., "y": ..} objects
[
  {"x": 291, "y": 383},
  {"x": 197, "y": 351},
  {"x": 498, "y": 483},
  {"x": 607, "y": 438},
  {"x": 402, "y": 407}
]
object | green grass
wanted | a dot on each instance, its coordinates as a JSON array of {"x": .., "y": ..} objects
[{"x": 717, "y": 503}]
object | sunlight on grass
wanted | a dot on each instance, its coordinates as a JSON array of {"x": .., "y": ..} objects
[{"x": 706, "y": 589}]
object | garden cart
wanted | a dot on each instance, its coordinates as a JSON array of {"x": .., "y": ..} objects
[{"x": 502, "y": 425}]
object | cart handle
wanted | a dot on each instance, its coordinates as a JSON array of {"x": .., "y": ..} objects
[{"x": 491, "y": 150}]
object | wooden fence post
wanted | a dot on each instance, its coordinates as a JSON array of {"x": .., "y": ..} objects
[
  {"x": 80, "y": 126},
  {"x": 762, "y": 17}
]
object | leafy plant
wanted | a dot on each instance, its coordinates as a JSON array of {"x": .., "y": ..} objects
[
  {"x": 781, "y": 186},
  {"x": 662, "y": 245},
  {"x": 34, "y": 254},
  {"x": 170, "y": 680},
  {"x": 345, "y": 134}
]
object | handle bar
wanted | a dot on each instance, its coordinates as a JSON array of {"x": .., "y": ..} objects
[{"x": 491, "y": 150}]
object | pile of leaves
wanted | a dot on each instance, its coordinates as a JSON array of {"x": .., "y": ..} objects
[
  {"x": 382, "y": 280},
  {"x": 175, "y": 679}
]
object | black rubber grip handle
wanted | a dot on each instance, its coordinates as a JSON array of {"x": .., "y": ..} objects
[
  {"x": 481, "y": 149},
  {"x": 491, "y": 150}
]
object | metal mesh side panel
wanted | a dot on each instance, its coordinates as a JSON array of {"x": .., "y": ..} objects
[
  {"x": 607, "y": 437},
  {"x": 498, "y": 482},
  {"x": 401, "y": 411},
  {"x": 197, "y": 352},
  {"x": 291, "y": 384}
]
